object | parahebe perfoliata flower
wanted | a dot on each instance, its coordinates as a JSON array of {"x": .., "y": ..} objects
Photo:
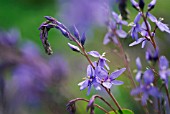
[
  {"x": 102, "y": 60},
  {"x": 90, "y": 80},
  {"x": 147, "y": 88},
  {"x": 139, "y": 69},
  {"x": 111, "y": 80},
  {"x": 164, "y": 70},
  {"x": 115, "y": 29}
]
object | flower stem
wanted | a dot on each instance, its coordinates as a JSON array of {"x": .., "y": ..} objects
[
  {"x": 167, "y": 93},
  {"x": 148, "y": 30},
  {"x": 82, "y": 49},
  {"x": 126, "y": 63},
  {"x": 113, "y": 98},
  {"x": 96, "y": 105}
]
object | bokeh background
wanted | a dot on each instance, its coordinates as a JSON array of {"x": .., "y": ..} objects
[{"x": 32, "y": 82}]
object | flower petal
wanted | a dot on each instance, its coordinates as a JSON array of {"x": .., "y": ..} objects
[
  {"x": 137, "y": 42},
  {"x": 94, "y": 53},
  {"x": 107, "y": 85},
  {"x": 117, "y": 82},
  {"x": 121, "y": 33},
  {"x": 163, "y": 63},
  {"x": 117, "y": 73}
]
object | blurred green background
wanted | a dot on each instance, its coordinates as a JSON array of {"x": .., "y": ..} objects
[{"x": 27, "y": 15}]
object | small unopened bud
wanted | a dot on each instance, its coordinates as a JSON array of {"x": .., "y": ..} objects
[
  {"x": 151, "y": 5},
  {"x": 73, "y": 47},
  {"x": 141, "y": 4}
]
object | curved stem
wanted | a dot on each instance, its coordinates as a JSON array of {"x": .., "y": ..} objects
[
  {"x": 96, "y": 105},
  {"x": 106, "y": 102}
]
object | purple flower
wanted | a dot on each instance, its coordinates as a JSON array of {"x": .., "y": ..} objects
[
  {"x": 85, "y": 14},
  {"x": 134, "y": 31},
  {"x": 90, "y": 80},
  {"x": 163, "y": 27},
  {"x": 139, "y": 69},
  {"x": 111, "y": 80},
  {"x": 9, "y": 38},
  {"x": 147, "y": 88},
  {"x": 164, "y": 70},
  {"x": 152, "y": 56},
  {"x": 102, "y": 59}
]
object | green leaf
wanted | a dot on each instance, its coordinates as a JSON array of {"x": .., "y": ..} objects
[{"x": 124, "y": 111}]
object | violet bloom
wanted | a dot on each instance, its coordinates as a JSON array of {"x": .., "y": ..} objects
[
  {"x": 164, "y": 70},
  {"x": 163, "y": 27},
  {"x": 150, "y": 56},
  {"x": 111, "y": 80},
  {"x": 84, "y": 13},
  {"x": 90, "y": 80},
  {"x": 9, "y": 38},
  {"x": 147, "y": 88},
  {"x": 115, "y": 25},
  {"x": 102, "y": 59},
  {"x": 139, "y": 69}
]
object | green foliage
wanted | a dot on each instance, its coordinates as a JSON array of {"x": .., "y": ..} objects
[{"x": 124, "y": 111}]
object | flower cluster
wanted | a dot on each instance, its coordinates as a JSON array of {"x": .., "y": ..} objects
[
  {"x": 25, "y": 75},
  {"x": 144, "y": 29},
  {"x": 115, "y": 29},
  {"x": 151, "y": 80},
  {"x": 100, "y": 76}
]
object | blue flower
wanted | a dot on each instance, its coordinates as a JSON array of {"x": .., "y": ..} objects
[
  {"x": 147, "y": 87},
  {"x": 90, "y": 80},
  {"x": 111, "y": 80},
  {"x": 164, "y": 70},
  {"x": 102, "y": 59},
  {"x": 163, "y": 27},
  {"x": 139, "y": 69},
  {"x": 152, "y": 56}
]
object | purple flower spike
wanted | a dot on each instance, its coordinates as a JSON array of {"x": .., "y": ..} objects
[
  {"x": 111, "y": 80},
  {"x": 164, "y": 70},
  {"x": 151, "y": 5}
]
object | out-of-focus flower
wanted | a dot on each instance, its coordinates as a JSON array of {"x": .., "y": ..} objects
[
  {"x": 147, "y": 88},
  {"x": 9, "y": 38},
  {"x": 139, "y": 69},
  {"x": 85, "y": 14},
  {"x": 164, "y": 70},
  {"x": 150, "y": 56}
]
